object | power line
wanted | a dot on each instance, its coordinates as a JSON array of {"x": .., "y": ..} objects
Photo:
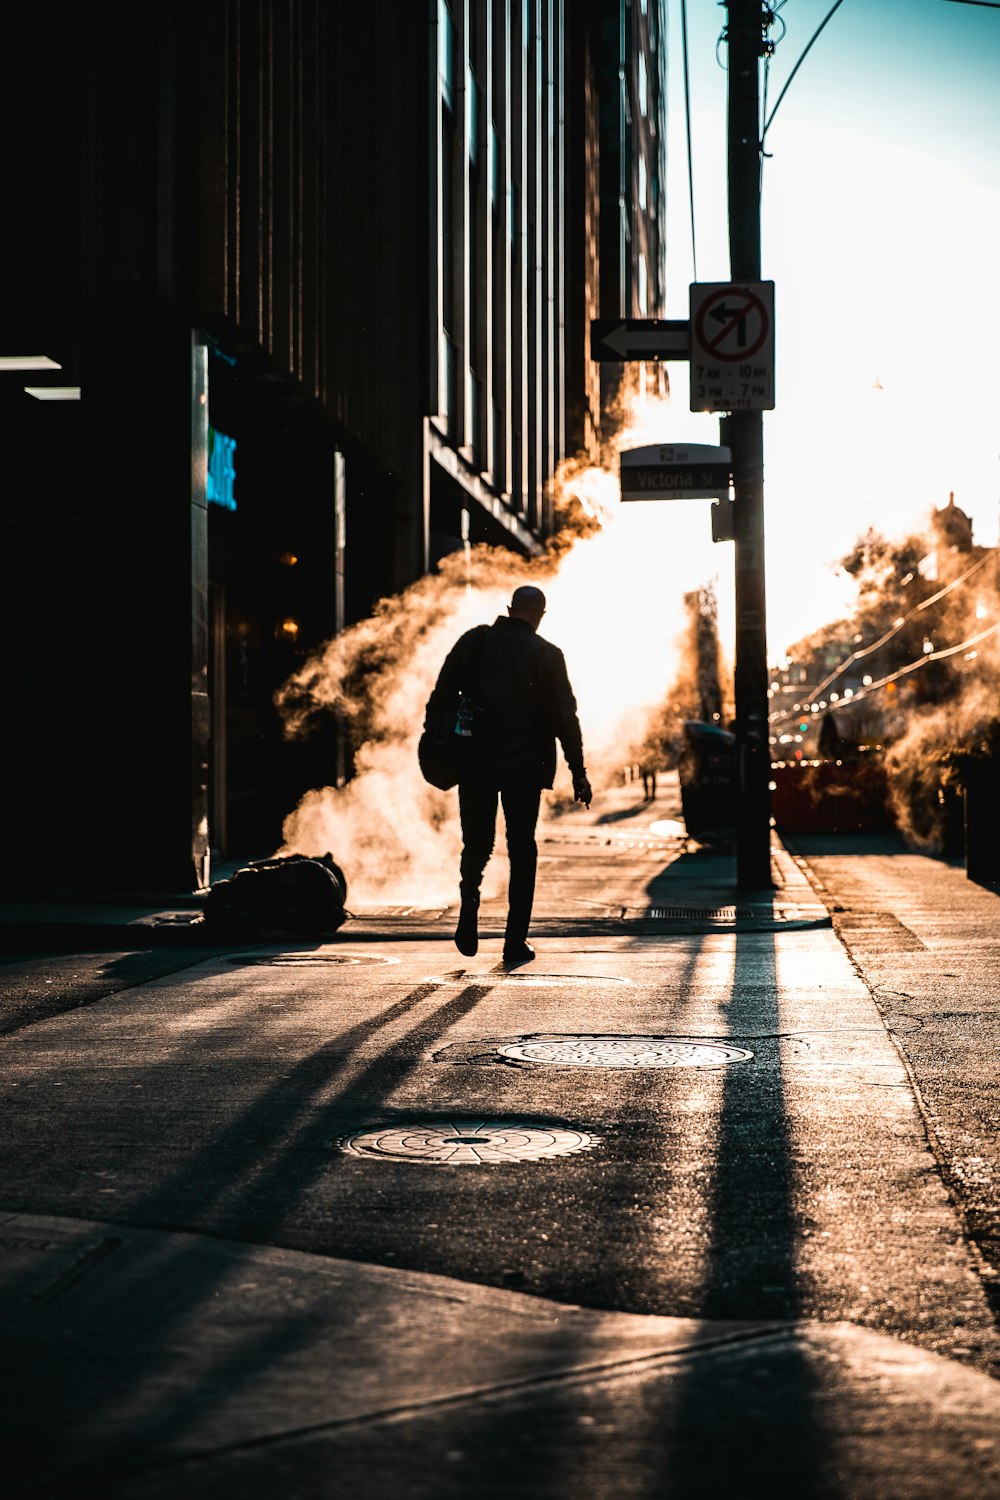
[
  {"x": 983, "y": 4},
  {"x": 844, "y": 704},
  {"x": 857, "y": 656},
  {"x": 687, "y": 112},
  {"x": 926, "y": 603},
  {"x": 771, "y": 15},
  {"x": 835, "y": 7},
  {"x": 920, "y": 662}
]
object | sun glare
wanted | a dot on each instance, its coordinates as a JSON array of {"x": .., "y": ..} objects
[{"x": 617, "y": 610}]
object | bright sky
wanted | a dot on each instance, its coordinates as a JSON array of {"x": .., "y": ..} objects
[{"x": 881, "y": 232}]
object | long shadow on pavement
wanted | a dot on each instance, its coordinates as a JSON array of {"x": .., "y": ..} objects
[
  {"x": 264, "y": 1160},
  {"x": 282, "y": 1141},
  {"x": 768, "y": 1405},
  {"x": 744, "y": 1421}
]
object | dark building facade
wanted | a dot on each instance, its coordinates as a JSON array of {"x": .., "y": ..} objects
[{"x": 314, "y": 284}]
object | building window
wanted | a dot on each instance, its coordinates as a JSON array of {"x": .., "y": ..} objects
[
  {"x": 475, "y": 403},
  {"x": 476, "y": 263},
  {"x": 643, "y": 86},
  {"x": 448, "y": 247},
  {"x": 473, "y": 117},
  {"x": 494, "y": 166},
  {"x": 447, "y": 35},
  {"x": 642, "y": 182},
  {"x": 643, "y": 290}
]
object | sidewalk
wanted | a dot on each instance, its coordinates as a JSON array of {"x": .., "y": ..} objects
[
  {"x": 152, "y": 1364},
  {"x": 309, "y": 1377},
  {"x": 684, "y": 897}
]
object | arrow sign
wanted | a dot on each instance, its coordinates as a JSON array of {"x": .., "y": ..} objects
[
  {"x": 622, "y": 339},
  {"x": 733, "y": 317}
]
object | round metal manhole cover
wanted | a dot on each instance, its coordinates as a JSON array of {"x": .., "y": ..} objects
[
  {"x": 468, "y": 1142},
  {"x": 310, "y": 960},
  {"x": 517, "y": 977},
  {"x": 623, "y": 1052}
]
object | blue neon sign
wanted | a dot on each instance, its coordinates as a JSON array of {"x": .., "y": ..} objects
[{"x": 221, "y": 487}]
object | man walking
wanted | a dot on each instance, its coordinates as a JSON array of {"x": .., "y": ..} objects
[{"x": 520, "y": 690}]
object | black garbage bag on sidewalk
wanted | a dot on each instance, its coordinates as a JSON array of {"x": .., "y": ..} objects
[{"x": 292, "y": 893}]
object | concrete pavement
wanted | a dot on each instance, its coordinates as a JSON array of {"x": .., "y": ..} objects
[
  {"x": 151, "y": 1364},
  {"x": 267, "y": 1228}
]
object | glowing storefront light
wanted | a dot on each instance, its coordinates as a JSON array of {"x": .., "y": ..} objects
[{"x": 221, "y": 483}]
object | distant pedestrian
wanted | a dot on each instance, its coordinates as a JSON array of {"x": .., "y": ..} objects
[
  {"x": 521, "y": 703},
  {"x": 829, "y": 742},
  {"x": 650, "y": 758}
]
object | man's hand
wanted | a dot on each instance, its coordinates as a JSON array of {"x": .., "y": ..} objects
[{"x": 581, "y": 790}]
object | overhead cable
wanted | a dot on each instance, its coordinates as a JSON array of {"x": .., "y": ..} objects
[
  {"x": 835, "y": 7},
  {"x": 777, "y": 720},
  {"x": 856, "y": 656},
  {"x": 920, "y": 662},
  {"x": 687, "y": 112},
  {"x": 771, "y": 15}
]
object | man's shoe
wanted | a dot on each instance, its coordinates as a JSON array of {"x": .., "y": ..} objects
[
  {"x": 516, "y": 954},
  {"x": 467, "y": 931}
]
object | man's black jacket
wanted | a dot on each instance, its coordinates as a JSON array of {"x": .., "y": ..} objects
[{"x": 520, "y": 683}]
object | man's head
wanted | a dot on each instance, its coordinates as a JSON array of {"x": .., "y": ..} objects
[{"x": 527, "y": 603}]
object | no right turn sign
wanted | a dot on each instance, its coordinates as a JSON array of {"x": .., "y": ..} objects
[{"x": 732, "y": 346}]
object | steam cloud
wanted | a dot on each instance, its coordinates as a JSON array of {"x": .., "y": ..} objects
[
  {"x": 615, "y": 579},
  {"x": 927, "y": 765},
  {"x": 933, "y": 723}
]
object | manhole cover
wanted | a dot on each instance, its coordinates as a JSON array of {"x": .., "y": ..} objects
[
  {"x": 468, "y": 1142},
  {"x": 622, "y": 1052},
  {"x": 310, "y": 960},
  {"x": 516, "y": 976}
]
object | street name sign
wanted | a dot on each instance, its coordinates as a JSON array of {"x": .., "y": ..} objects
[
  {"x": 676, "y": 471},
  {"x": 622, "y": 339},
  {"x": 732, "y": 346}
]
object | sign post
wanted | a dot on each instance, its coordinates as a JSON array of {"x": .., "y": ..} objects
[
  {"x": 731, "y": 324},
  {"x": 729, "y": 342}
]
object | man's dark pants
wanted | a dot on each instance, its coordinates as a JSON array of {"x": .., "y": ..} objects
[{"x": 477, "y": 803}]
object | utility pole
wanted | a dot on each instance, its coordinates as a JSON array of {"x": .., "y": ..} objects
[{"x": 744, "y": 434}]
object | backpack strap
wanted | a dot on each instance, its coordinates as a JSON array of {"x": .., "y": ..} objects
[{"x": 478, "y": 651}]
